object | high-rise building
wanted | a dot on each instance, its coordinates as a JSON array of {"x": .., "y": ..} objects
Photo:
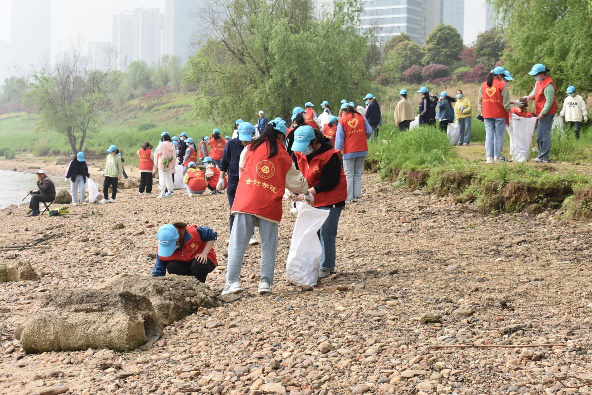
[
  {"x": 123, "y": 39},
  {"x": 433, "y": 14},
  {"x": 137, "y": 35},
  {"x": 453, "y": 14},
  {"x": 181, "y": 21},
  {"x": 388, "y": 18},
  {"x": 30, "y": 36},
  {"x": 100, "y": 55}
]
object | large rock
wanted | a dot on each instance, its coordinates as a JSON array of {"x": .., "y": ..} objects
[
  {"x": 63, "y": 197},
  {"x": 122, "y": 315},
  {"x": 17, "y": 272}
]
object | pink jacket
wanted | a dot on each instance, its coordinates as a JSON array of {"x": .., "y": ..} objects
[{"x": 165, "y": 150}]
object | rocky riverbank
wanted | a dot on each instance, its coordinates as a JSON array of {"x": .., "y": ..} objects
[{"x": 415, "y": 271}]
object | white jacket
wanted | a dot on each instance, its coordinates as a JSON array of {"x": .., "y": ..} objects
[{"x": 574, "y": 109}]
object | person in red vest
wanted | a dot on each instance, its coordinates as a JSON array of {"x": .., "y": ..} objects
[
  {"x": 297, "y": 120},
  {"x": 203, "y": 148},
  {"x": 195, "y": 179},
  {"x": 310, "y": 116},
  {"x": 320, "y": 164},
  {"x": 213, "y": 176},
  {"x": 190, "y": 154},
  {"x": 185, "y": 250},
  {"x": 545, "y": 99},
  {"x": 353, "y": 132},
  {"x": 217, "y": 145},
  {"x": 493, "y": 104},
  {"x": 146, "y": 166},
  {"x": 330, "y": 129},
  {"x": 266, "y": 170},
  {"x": 522, "y": 110}
]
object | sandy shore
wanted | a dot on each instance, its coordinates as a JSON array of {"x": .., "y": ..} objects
[{"x": 512, "y": 279}]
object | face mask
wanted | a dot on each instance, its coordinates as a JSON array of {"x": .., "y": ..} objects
[
  {"x": 307, "y": 151},
  {"x": 459, "y": 96},
  {"x": 572, "y": 94},
  {"x": 539, "y": 78}
]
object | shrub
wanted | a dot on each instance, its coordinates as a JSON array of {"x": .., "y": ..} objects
[
  {"x": 146, "y": 126},
  {"x": 442, "y": 81},
  {"x": 413, "y": 74},
  {"x": 42, "y": 148},
  {"x": 3, "y": 150},
  {"x": 460, "y": 70},
  {"x": 383, "y": 80},
  {"x": 433, "y": 71},
  {"x": 477, "y": 74},
  {"x": 8, "y": 154},
  {"x": 55, "y": 152}
]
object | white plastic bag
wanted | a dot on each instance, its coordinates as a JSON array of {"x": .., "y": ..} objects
[
  {"x": 304, "y": 258},
  {"x": 93, "y": 191},
  {"x": 523, "y": 130},
  {"x": 178, "y": 177},
  {"x": 453, "y": 133},
  {"x": 414, "y": 124},
  {"x": 510, "y": 131}
]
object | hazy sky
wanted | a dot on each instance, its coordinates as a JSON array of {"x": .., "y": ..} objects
[{"x": 474, "y": 19}]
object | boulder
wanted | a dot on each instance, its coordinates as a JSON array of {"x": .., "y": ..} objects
[
  {"x": 121, "y": 315},
  {"x": 129, "y": 183},
  {"x": 63, "y": 197},
  {"x": 17, "y": 272}
]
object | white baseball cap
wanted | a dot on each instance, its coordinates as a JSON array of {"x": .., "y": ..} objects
[
  {"x": 261, "y": 112},
  {"x": 41, "y": 171}
]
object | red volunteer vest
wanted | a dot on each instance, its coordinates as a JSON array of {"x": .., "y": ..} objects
[
  {"x": 216, "y": 147},
  {"x": 524, "y": 114},
  {"x": 539, "y": 96},
  {"x": 191, "y": 249},
  {"x": 330, "y": 132},
  {"x": 201, "y": 145},
  {"x": 492, "y": 105},
  {"x": 192, "y": 156},
  {"x": 354, "y": 128},
  {"x": 196, "y": 180},
  {"x": 145, "y": 161},
  {"x": 213, "y": 181},
  {"x": 312, "y": 172},
  {"x": 262, "y": 185}
]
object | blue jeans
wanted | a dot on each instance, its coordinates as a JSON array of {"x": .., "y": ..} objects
[
  {"x": 495, "y": 129},
  {"x": 77, "y": 187},
  {"x": 353, "y": 169},
  {"x": 465, "y": 130},
  {"x": 328, "y": 234},
  {"x": 242, "y": 230},
  {"x": 544, "y": 136},
  {"x": 216, "y": 162}
]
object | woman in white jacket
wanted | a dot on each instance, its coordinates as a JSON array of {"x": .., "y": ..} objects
[{"x": 574, "y": 110}]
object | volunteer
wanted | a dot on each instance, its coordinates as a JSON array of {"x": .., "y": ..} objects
[
  {"x": 326, "y": 115},
  {"x": 463, "y": 114},
  {"x": 182, "y": 146},
  {"x": 203, "y": 148},
  {"x": 353, "y": 132},
  {"x": 310, "y": 116},
  {"x": 266, "y": 170},
  {"x": 195, "y": 179},
  {"x": 165, "y": 163},
  {"x": 330, "y": 130},
  {"x": 545, "y": 98},
  {"x": 427, "y": 108},
  {"x": 146, "y": 166},
  {"x": 574, "y": 110},
  {"x": 445, "y": 110},
  {"x": 217, "y": 145},
  {"x": 493, "y": 105},
  {"x": 404, "y": 112},
  {"x": 373, "y": 114},
  {"x": 190, "y": 154},
  {"x": 213, "y": 176},
  {"x": 320, "y": 164},
  {"x": 236, "y": 124},
  {"x": 229, "y": 163},
  {"x": 185, "y": 250},
  {"x": 45, "y": 192},
  {"x": 261, "y": 122},
  {"x": 77, "y": 174},
  {"x": 297, "y": 120},
  {"x": 111, "y": 174},
  {"x": 340, "y": 110}
]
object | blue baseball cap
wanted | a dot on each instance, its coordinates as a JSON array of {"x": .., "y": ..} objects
[
  {"x": 111, "y": 148},
  {"x": 570, "y": 89},
  {"x": 191, "y": 164},
  {"x": 175, "y": 138},
  {"x": 444, "y": 94},
  {"x": 343, "y": 101},
  {"x": 499, "y": 70},
  {"x": 238, "y": 121},
  {"x": 280, "y": 125},
  {"x": 351, "y": 103},
  {"x": 302, "y": 138},
  {"x": 227, "y": 137},
  {"x": 207, "y": 159},
  {"x": 206, "y": 139},
  {"x": 80, "y": 156},
  {"x": 325, "y": 103},
  {"x": 167, "y": 237},
  {"x": 369, "y": 96},
  {"x": 403, "y": 92},
  {"x": 184, "y": 134},
  {"x": 334, "y": 119},
  {"x": 245, "y": 131},
  {"x": 308, "y": 104},
  {"x": 508, "y": 76},
  {"x": 190, "y": 141},
  {"x": 537, "y": 69},
  {"x": 423, "y": 89},
  {"x": 296, "y": 111},
  {"x": 344, "y": 106},
  {"x": 216, "y": 131}
]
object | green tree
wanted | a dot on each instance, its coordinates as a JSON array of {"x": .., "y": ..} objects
[
  {"x": 404, "y": 55},
  {"x": 394, "y": 41},
  {"x": 443, "y": 46},
  {"x": 138, "y": 77},
  {"x": 273, "y": 54},
  {"x": 13, "y": 90},
  {"x": 489, "y": 47}
]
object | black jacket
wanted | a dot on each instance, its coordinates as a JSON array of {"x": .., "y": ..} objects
[
  {"x": 77, "y": 168},
  {"x": 373, "y": 114}
]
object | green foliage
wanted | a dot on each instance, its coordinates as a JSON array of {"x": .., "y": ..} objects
[
  {"x": 3, "y": 150},
  {"x": 9, "y": 154},
  {"x": 42, "y": 148},
  {"x": 477, "y": 131},
  {"x": 267, "y": 55},
  {"x": 138, "y": 78},
  {"x": 565, "y": 146},
  {"x": 489, "y": 47},
  {"x": 463, "y": 69},
  {"x": 394, "y": 41},
  {"x": 146, "y": 126},
  {"x": 168, "y": 73},
  {"x": 401, "y": 57},
  {"x": 443, "y": 46}
]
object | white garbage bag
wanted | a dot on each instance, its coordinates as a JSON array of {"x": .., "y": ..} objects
[
  {"x": 178, "y": 177},
  {"x": 304, "y": 258},
  {"x": 510, "y": 131},
  {"x": 93, "y": 191},
  {"x": 414, "y": 123},
  {"x": 523, "y": 131},
  {"x": 558, "y": 122},
  {"x": 453, "y": 133}
]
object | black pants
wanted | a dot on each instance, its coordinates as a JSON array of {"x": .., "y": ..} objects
[
  {"x": 194, "y": 268},
  {"x": 230, "y": 192},
  {"x": 444, "y": 125},
  {"x": 576, "y": 128},
  {"x": 146, "y": 182},
  {"x": 36, "y": 199},
  {"x": 110, "y": 182},
  {"x": 404, "y": 125}
]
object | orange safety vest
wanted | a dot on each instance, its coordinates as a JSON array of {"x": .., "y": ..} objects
[
  {"x": 192, "y": 248},
  {"x": 522, "y": 114},
  {"x": 354, "y": 128},
  {"x": 309, "y": 118},
  {"x": 312, "y": 172},
  {"x": 146, "y": 163},
  {"x": 213, "y": 181},
  {"x": 192, "y": 156},
  {"x": 196, "y": 180},
  {"x": 492, "y": 105},
  {"x": 330, "y": 132},
  {"x": 539, "y": 96},
  {"x": 216, "y": 147},
  {"x": 201, "y": 145},
  {"x": 262, "y": 185}
]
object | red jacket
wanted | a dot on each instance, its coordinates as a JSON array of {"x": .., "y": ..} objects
[
  {"x": 192, "y": 156},
  {"x": 354, "y": 128},
  {"x": 213, "y": 180},
  {"x": 192, "y": 248},
  {"x": 330, "y": 132},
  {"x": 216, "y": 147},
  {"x": 492, "y": 105},
  {"x": 539, "y": 96},
  {"x": 312, "y": 172},
  {"x": 309, "y": 118}
]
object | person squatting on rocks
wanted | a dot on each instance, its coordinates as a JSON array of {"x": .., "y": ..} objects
[
  {"x": 185, "y": 250},
  {"x": 195, "y": 179},
  {"x": 266, "y": 170},
  {"x": 213, "y": 176},
  {"x": 112, "y": 174},
  {"x": 45, "y": 192},
  {"x": 146, "y": 166},
  {"x": 77, "y": 173},
  {"x": 574, "y": 110}
]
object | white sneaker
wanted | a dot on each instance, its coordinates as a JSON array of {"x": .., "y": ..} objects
[
  {"x": 104, "y": 201},
  {"x": 74, "y": 204},
  {"x": 189, "y": 194},
  {"x": 111, "y": 201},
  {"x": 264, "y": 288},
  {"x": 489, "y": 160},
  {"x": 253, "y": 241},
  {"x": 232, "y": 288},
  {"x": 160, "y": 196},
  {"x": 169, "y": 194}
]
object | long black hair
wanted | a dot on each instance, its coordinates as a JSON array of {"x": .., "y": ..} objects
[
  {"x": 490, "y": 78},
  {"x": 299, "y": 119},
  {"x": 166, "y": 137},
  {"x": 450, "y": 99},
  {"x": 270, "y": 135}
]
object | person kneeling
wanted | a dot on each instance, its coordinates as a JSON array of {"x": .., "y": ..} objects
[
  {"x": 185, "y": 250},
  {"x": 213, "y": 176},
  {"x": 195, "y": 179}
]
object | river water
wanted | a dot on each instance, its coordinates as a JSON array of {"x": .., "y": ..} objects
[{"x": 15, "y": 185}]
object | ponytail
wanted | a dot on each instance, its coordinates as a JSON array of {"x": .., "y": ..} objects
[
  {"x": 490, "y": 80},
  {"x": 269, "y": 134}
]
